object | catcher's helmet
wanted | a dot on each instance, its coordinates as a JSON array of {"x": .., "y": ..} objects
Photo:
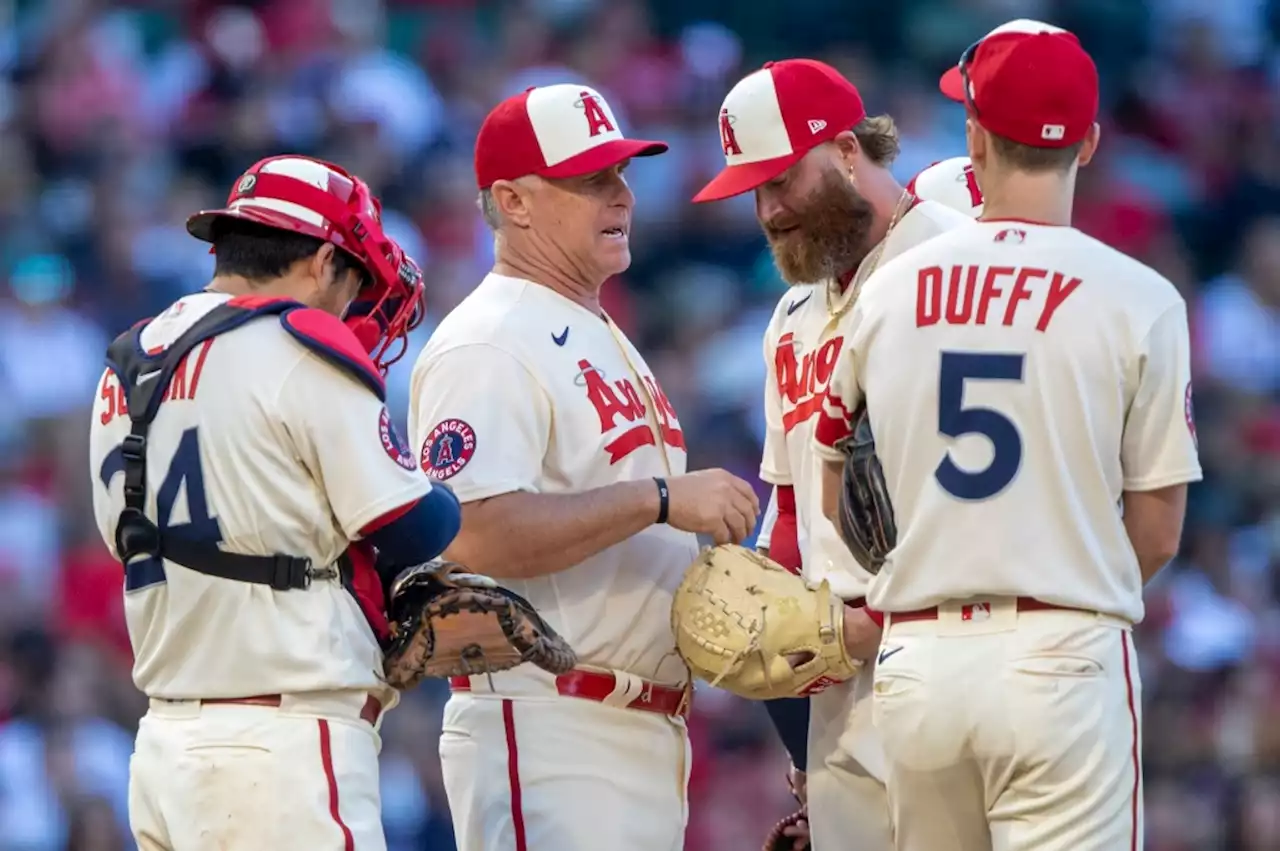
[{"x": 322, "y": 200}]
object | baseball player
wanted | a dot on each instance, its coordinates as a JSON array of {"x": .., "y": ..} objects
[
  {"x": 950, "y": 182},
  {"x": 1029, "y": 392},
  {"x": 796, "y": 133},
  {"x": 569, "y": 461},
  {"x": 239, "y": 445}
]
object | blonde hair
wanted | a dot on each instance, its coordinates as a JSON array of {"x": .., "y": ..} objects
[{"x": 878, "y": 137}]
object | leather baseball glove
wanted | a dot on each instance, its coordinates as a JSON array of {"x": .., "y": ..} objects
[
  {"x": 867, "y": 524},
  {"x": 790, "y": 834},
  {"x": 446, "y": 622},
  {"x": 746, "y": 624}
]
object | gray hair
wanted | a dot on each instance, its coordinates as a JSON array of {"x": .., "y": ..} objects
[{"x": 489, "y": 209}]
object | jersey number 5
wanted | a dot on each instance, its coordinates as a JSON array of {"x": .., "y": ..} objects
[
  {"x": 185, "y": 468},
  {"x": 955, "y": 421}
]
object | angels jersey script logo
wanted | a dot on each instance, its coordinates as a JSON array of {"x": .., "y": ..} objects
[
  {"x": 621, "y": 406},
  {"x": 448, "y": 448},
  {"x": 802, "y": 382}
]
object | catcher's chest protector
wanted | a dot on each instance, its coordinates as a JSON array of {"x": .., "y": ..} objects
[{"x": 146, "y": 377}]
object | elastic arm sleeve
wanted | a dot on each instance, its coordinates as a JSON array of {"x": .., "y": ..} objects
[
  {"x": 419, "y": 534},
  {"x": 790, "y": 717},
  {"x": 784, "y": 539}
]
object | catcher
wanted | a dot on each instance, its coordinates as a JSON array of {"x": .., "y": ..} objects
[{"x": 240, "y": 447}]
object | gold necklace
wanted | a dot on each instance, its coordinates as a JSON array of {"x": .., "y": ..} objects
[{"x": 870, "y": 262}]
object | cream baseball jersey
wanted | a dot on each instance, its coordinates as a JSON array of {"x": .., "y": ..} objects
[
  {"x": 952, "y": 183},
  {"x": 1019, "y": 377},
  {"x": 265, "y": 448},
  {"x": 521, "y": 389},
  {"x": 801, "y": 347}
]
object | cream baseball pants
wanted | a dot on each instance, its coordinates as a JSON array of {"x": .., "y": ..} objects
[
  {"x": 1008, "y": 729},
  {"x": 559, "y": 773},
  {"x": 300, "y": 776}
]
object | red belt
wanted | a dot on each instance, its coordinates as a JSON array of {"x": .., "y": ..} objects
[
  {"x": 598, "y": 685},
  {"x": 1025, "y": 604},
  {"x": 369, "y": 714}
]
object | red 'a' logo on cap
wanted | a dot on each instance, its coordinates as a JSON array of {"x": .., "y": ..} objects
[
  {"x": 728, "y": 141},
  {"x": 597, "y": 120}
]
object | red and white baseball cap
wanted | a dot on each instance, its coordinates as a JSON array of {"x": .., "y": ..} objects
[
  {"x": 1027, "y": 81},
  {"x": 776, "y": 115},
  {"x": 559, "y": 131}
]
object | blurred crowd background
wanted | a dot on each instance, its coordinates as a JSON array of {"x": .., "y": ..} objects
[{"x": 119, "y": 119}]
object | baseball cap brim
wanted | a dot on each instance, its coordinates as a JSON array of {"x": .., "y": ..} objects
[
  {"x": 952, "y": 84},
  {"x": 201, "y": 225},
  {"x": 744, "y": 177},
  {"x": 603, "y": 156}
]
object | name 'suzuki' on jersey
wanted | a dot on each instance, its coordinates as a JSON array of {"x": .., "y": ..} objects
[
  {"x": 623, "y": 402},
  {"x": 181, "y": 388},
  {"x": 802, "y": 381}
]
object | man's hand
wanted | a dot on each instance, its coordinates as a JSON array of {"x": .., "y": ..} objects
[
  {"x": 861, "y": 634},
  {"x": 713, "y": 502},
  {"x": 790, "y": 834},
  {"x": 798, "y": 831}
]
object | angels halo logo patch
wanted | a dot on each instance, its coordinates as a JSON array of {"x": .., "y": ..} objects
[
  {"x": 397, "y": 450},
  {"x": 448, "y": 448}
]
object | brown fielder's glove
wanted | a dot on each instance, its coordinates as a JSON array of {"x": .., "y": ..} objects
[
  {"x": 867, "y": 525},
  {"x": 795, "y": 839},
  {"x": 447, "y": 622}
]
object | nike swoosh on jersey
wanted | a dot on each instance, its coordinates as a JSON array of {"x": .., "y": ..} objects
[
  {"x": 795, "y": 305},
  {"x": 886, "y": 653},
  {"x": 562, "y": 337}
]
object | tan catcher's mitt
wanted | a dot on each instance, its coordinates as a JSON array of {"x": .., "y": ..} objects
[
  {"x": 746, "y": 624},
  {"x": 447, "y": 622}
]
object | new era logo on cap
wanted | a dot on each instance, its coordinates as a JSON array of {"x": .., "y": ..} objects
[
  {"x": 776, "y": 115},
  {"x": 559, "y": 131}
]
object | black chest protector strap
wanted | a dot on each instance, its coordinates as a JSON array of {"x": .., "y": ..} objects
[{"x": 144, "y": 379}]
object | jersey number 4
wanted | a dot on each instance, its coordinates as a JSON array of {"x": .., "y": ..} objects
[
  {"x": 184, "y": 469},
  {"x": 955, "y": 421}
]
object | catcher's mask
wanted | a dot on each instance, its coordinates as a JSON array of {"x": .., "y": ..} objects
[{"x": 323, "y": 200}]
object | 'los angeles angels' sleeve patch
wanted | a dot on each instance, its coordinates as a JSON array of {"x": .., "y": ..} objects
[
  {"x": 448, "y": 448},
  {"x": 397, "y": 450}
]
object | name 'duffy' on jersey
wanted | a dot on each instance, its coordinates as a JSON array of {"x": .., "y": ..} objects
[
  {"x": 977, "y": 295},
  {"x": 802, "y": 381},
  {"x": 623, "y": 402}
]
